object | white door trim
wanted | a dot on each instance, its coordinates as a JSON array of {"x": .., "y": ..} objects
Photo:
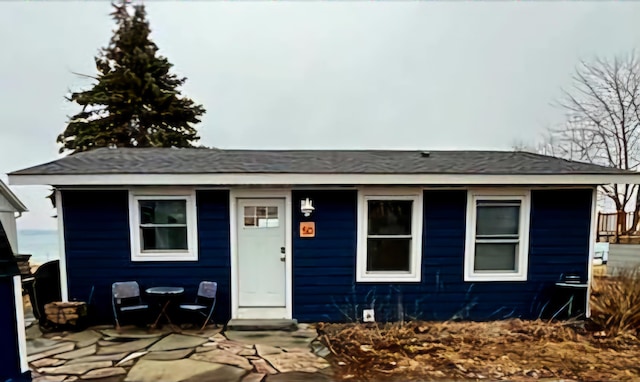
[{"x": 236, "y": 193}]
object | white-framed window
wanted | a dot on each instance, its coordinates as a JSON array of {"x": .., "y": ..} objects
[
  {"x": 497, "y": 240},
  {"x": 389, "y": 236},
  {"x": 163, "y": 226}
]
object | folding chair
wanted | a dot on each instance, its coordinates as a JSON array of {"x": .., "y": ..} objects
[
  {"x": 126, "y": 299},
  {"x": 205, "y": 301}
]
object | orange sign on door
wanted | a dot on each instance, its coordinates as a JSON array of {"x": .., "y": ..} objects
[{"x": 307, "y": 229}]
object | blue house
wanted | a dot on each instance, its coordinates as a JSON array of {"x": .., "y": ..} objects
[
  {"x": 328, "y": 235},
  {"x": 13, "y": 345}
]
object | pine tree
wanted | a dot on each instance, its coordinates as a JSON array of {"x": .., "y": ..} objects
[{"x": 136, "y": 101}]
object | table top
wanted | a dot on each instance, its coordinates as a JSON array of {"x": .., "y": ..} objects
[{"x": 165, "y": 290}]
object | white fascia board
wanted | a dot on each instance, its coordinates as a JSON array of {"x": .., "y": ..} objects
[
  {"x": 320, "y": 179},
  {"x": 12, "y": 198}
]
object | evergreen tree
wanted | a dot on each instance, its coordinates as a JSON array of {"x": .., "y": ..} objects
[{"x": 136, "y": 101}]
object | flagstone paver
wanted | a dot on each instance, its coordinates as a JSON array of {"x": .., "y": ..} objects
[
  {"x": 100, "y": 357},
  {"x": 223, "y": 374},
  {"x": 298, "y": 361},
  {"x": 104, "y": 373},
  {"x": 45, "y": 362},
  {"x": 128, "y": 346},
  {"x": 61, "y": 347},
  {"x": 224, "y": 357},
  {"x": 263, "y": 366},
  {"x": 136, "y": 334},
  {"x": 75, "y": 369},
  {"x": 180, "y": 370},
  {"x": 51, "y": 378},
  {"x": 131, "y": 357},
  {"x": 297, "y": 339},
  {"x": 298, "y": 377},
  {"x": 253, "y": 377},
  {"x": 263, "y": 350},
  {"x": 84, "y": 338},
  {"x": 168, "y": 355},
  {"x": 177, "y": 341},
  {"x": 79, "y": 353},
  {"x": 206, "y": 333}
]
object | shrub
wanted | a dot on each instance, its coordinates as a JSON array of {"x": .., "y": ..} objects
[{"x": 615, "y": 302}]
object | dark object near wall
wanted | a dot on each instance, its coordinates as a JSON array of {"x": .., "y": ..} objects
[{"x": 44, "y": 288}]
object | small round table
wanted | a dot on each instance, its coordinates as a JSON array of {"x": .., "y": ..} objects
[{"x": 165, "y": 296}]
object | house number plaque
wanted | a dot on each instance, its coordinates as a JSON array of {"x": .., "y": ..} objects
[{"x": 307, "y": 229}]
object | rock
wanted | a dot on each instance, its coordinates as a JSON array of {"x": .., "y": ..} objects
[
  {"x": 168, "y": 355},
  {"x": 223, "y": 374},
  {"x": 79, "y": 353},
  {"x": 72, "y": 378},
  {"x": 253, "y": 377},
  {"x": 104, "y": 373},
  {"x": 263, "y": 367},
  {"x": 210, "y": 344},
  {"x": 288, "y": 362},
  {"x": 51, "y": 349},
  {"x": 128, "y": 363},
  {"x": 221, "y": 356},
  {"x": 133, "y": 333},
  {"x": 131, "y": 357},
  {"x": 101, "y": 357},
  {"x": 179, "y": 370},
  {"x": 177, "y": 341},
  {"x": 263, "y": 350},
  {"x": 84, "y": 338},
  {"x": 45, "y": 362},
  {"x": 128, "y": 346},
  {"x": 75, "y": 369}
]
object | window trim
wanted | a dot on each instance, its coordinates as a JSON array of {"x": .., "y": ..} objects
[
  {"x": 137, "y": 255},
  {"x": 524, "y": 196},
  {"x": 415, "y": 275}
]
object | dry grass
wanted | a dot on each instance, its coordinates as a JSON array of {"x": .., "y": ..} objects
[
  {"x": 615, "y": 303},
  {"x": 512, "y": 350},
  {"x": 501, "y": 350}
]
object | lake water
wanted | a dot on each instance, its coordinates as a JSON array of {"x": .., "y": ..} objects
[{"x": 41, "y": 244}]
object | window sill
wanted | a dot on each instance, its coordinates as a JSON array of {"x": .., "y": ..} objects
[
  {"x": 387, "y": 278},
  {"x": 165, "y": 257},
  {"x": 488, "y": 277}
]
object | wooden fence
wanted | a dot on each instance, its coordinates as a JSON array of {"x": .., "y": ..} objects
[{"x": 613, "y": 225}]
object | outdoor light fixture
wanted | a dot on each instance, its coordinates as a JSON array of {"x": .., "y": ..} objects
[{"x": 306, "y": 207}]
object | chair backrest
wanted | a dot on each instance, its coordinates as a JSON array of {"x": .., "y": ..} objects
[
  {"x": 125, "y": 290},
  {"x": 208, "y": 289}
]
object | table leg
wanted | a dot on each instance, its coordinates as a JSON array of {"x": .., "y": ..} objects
[{"x": 162, "y": 312}]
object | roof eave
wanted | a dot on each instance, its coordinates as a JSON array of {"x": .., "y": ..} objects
[
  {"x": 232, "y": 179},
  {"x": 12, "y": 198}
]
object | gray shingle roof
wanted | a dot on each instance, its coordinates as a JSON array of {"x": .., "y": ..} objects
[{"x": 210, "y": 161}]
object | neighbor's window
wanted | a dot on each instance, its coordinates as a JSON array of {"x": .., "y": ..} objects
[
  {"x": 497, "y": 237},
  {"x": 261, "y": 217},
  {"x": 389, "y": 248},
  {"x": 163, "y": 228}
]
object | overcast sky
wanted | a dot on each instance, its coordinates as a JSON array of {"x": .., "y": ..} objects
[{"x": 425, "y": 75}]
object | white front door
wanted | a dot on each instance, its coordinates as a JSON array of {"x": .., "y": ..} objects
[{"x": 261, "y": 258}]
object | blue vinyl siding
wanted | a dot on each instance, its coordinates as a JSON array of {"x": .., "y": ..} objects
[
  {"x": 97, "y": 246},
  {"x": 324, "y": 286},
  {"x": 8, "y": 332}
]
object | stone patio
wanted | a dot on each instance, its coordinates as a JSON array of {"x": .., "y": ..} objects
[{"x": 132, "y": 354}]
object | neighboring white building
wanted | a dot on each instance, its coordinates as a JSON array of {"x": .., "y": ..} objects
[{"x": 10, "y": 205}]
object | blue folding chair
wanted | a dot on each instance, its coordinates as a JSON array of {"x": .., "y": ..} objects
[
  {"x": 205, "y": 301},
  {"x": 126, "y": 299}
]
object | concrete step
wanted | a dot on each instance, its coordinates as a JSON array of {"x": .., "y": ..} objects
[{"x": 241, "y": 324}]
